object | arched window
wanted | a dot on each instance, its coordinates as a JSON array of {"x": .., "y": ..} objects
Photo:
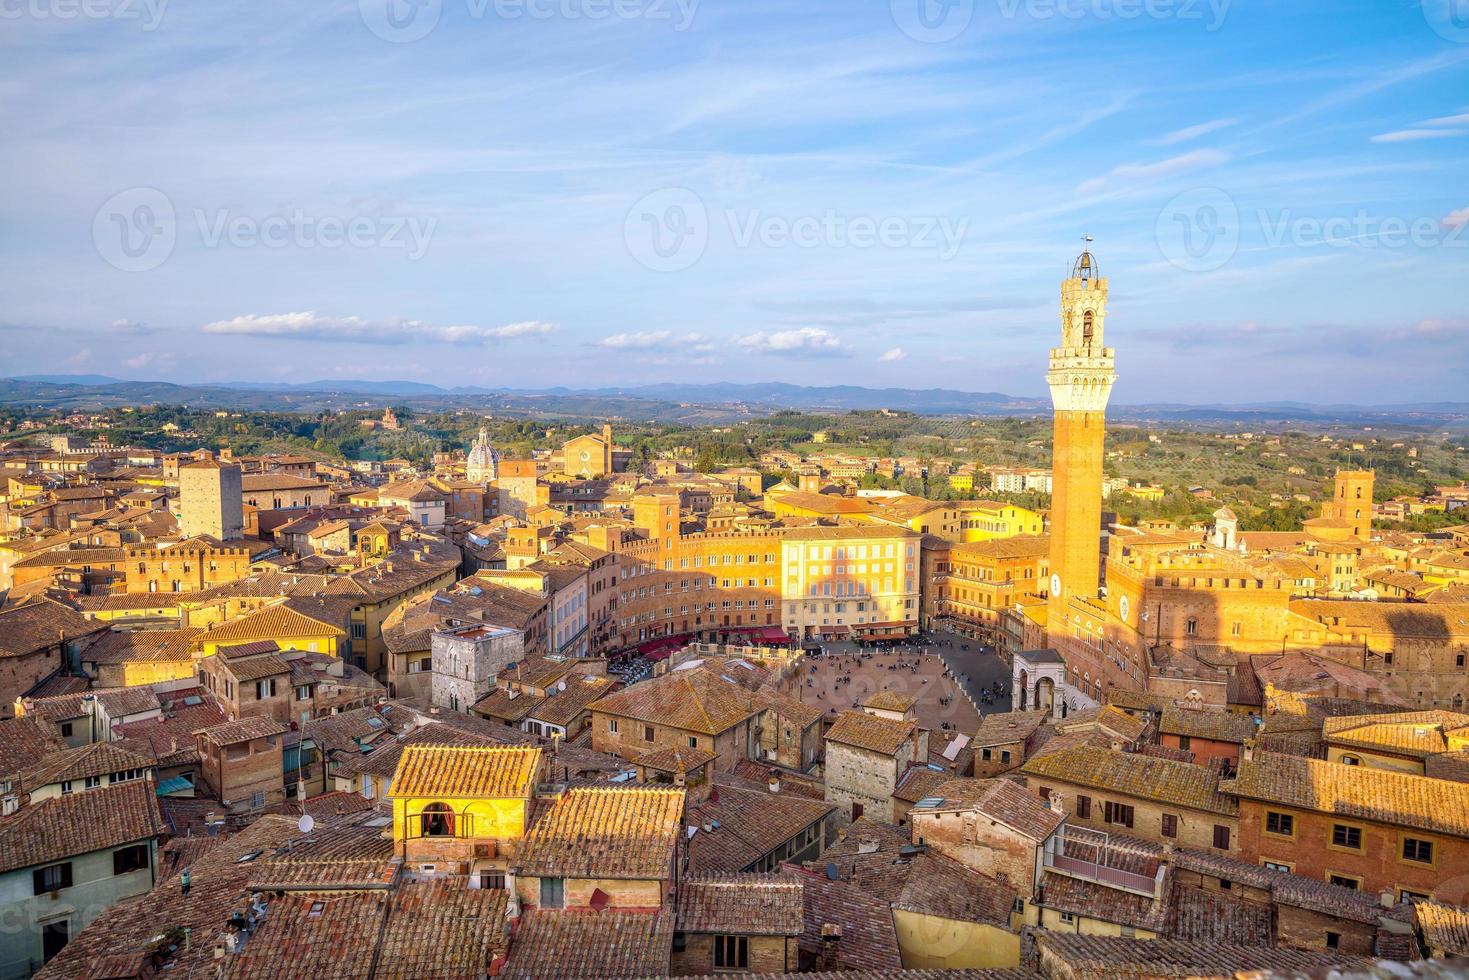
[
  {"x": 1350, "y": 760},
  {"x": 436, "y": 820},
  {"x": 1086, "y": 328}
]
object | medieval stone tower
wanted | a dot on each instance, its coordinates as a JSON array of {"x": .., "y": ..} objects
[{"x": 1080, "y": 379}]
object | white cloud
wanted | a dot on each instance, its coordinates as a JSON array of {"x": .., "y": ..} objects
[
  {"x": 1460, "y": 120},
  {"x": 1457, "y": 219},
  {"x": 315, "y": 326},
  {"x": 804, "y": 341},
  {"x": 896, "y": 354},
  {"x": 1194, "y": 132},
  {"x": 83, "y": 356},
  {"x": 1413, "y": 135},
  {"x": 649, "y": 339},
  {"x": 1132, "y": 173},
  {"x": 141, "y": 361},
  {"x": 129, "y": 327}
]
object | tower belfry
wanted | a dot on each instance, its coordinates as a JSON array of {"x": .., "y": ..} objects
[{"x": 1081, "y": 376}]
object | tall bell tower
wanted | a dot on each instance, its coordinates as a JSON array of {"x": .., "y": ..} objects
[{"x": 1080, "y": 379}]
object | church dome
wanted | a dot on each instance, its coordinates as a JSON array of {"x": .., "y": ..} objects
[{"x": 1086, "y": 267}]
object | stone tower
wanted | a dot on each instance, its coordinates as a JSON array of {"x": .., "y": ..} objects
[
  {"x": 1080, "y": 379},
  {"x": 1351, "y": 501},
  {"x": 210, "y": 500}
]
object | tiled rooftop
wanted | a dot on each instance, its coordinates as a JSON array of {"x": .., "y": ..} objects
[
  {"x": 594, "y": 832},
  {"x": 443, "y": 771},
  {"x": 740, "y": 904}
]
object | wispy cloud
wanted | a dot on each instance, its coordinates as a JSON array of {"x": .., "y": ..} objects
[
  {"x": 802, "y": 342},
  {"x": 1413, "y": 135},
  {"x": 1134, "y": 173},
  {"x": 315, "y": 326},
  {"x": 657, "y": 339},
  {"x": 1194, "y": 132},
  {"x": 893, "y": 356}
]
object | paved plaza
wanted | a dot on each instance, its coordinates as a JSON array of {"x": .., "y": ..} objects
[{"x": 844, "y": 677}]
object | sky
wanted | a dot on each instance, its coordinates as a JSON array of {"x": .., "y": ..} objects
[{"x": 595, "y": 193}]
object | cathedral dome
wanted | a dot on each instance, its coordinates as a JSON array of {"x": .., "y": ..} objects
[{"x": 483, "y": 462}]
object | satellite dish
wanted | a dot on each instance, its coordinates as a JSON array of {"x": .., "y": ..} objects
[{"x": 305, "y": 823}]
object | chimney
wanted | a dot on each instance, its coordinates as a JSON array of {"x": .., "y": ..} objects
[
  {"x": 831, "y": 945},
  {"x": 1247, "y": 751},
  {"x": 1055, "y": 803}
]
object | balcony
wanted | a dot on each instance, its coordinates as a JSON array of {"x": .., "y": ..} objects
[{"x": 1091, "y": 855}]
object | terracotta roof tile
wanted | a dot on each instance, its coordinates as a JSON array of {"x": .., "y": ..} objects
[
  {"x": 595, "y": 832},
  {"x": 869, "y": 732},
  {"x": 740, "y": 904},
  {"x": 575, "y": 945},
  {"x": 79, "y": 823},
  {"x": 431, "y": 771},
  {"x": 1145, "y": 777},
  {"x": 690, "y": 700},
  {"x": 1399, "y": 799},
  {"x": 753, "y": 822}
]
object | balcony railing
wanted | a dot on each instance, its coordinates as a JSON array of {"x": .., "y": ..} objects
[
  {"x": 452, "y": 825},
  {"x": 1093, "y": 857}
]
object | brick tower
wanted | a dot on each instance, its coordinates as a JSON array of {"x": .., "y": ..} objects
[
  {"x": 1351, "y": 501},
  {"x": 1080, "y": 380}
]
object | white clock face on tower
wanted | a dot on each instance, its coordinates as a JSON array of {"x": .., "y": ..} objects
[
  {"x": 1123, "y": 607},
  {"x": 1055, "y": 585}
]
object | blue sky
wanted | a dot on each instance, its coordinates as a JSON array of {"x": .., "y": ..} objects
[{"x": 604, "y": 192}]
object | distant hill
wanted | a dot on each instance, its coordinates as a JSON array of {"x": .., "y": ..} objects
[{"x": 695, "y": 404}]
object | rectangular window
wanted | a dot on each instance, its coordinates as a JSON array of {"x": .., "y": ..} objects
[
  {"x": 1170, "y": 825},
  {"x": 128, "y": 859},
  {"x": 265, "y": 689},
  {"x": 1417, "y": 850},
  {"x": 1333, "y": 940},
  {"x": 1344, "y": 881},
  {"x": 1280, "y": 823},
  {"x": 693, "y": 741},
  {"x": 612, "y": 725},
  {"x": 1084, "y": 807},
  {"x": 731, "y": 952},
  {"x": 1185, "y": 743},
  {"x": 553, "y": 893},
  {"x": 1119, "y": 814},
  {"x": 1344, "y": 836},
  {"x": 1277, "y": 866},
  {"x": 647, "y": 733},
  {"x": 1221, "y": 837},
  {"x": 52, "y": 878}
]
